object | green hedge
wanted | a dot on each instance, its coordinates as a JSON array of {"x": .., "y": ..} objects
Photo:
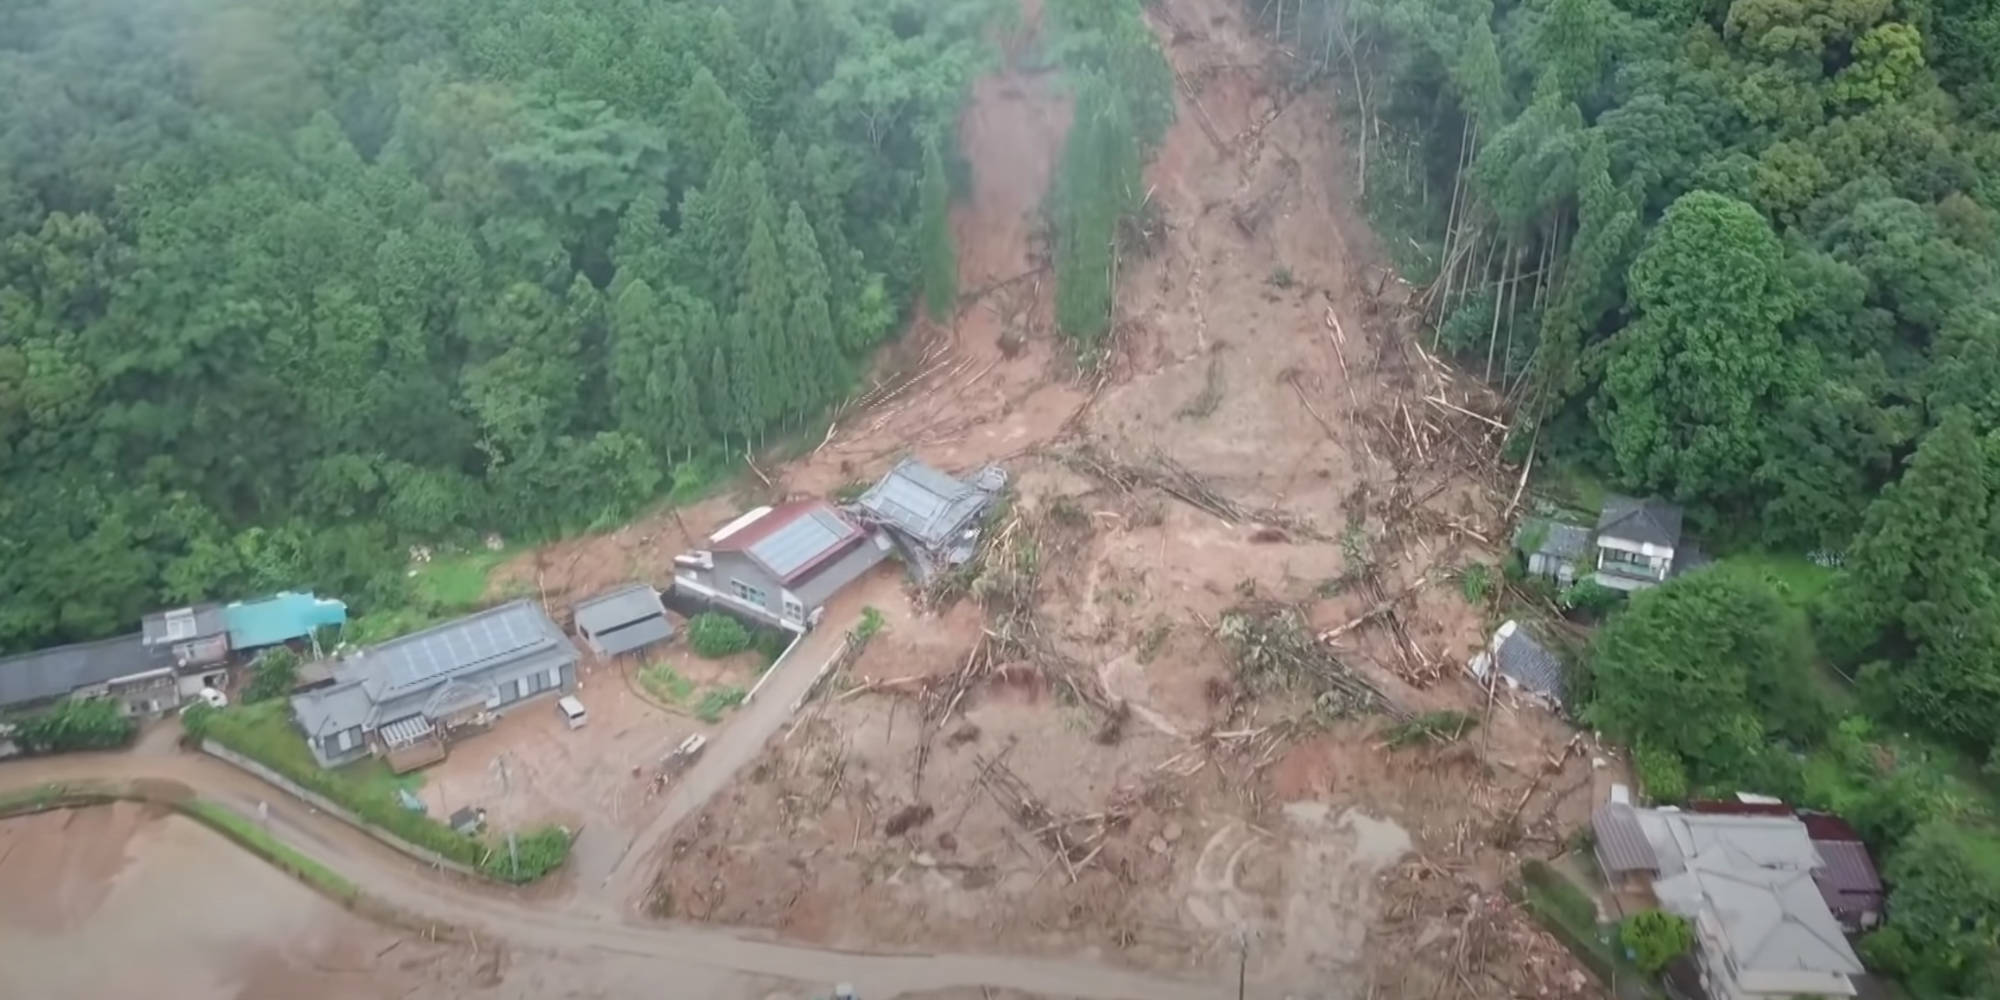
[
  {"x": 264, "y": 734},
  {"x": 714, "y": 635},
  {"x": 75, "y": 724}
]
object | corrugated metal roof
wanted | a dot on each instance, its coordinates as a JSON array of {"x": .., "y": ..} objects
[
  {"x": 614, "y": 608},
  {"x": 1849, "y": 871},
  {"x": 1621, "y": 844},
  {"x": 808, "y": 540},
  {"x": 627, "y": 638},
  {"x": 406, "y": 731},
  {"x": 51, "y": 673},
  {"x": 281, "y": 617}
]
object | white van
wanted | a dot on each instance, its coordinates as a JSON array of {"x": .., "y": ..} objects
[{"x": 572, "y": 711}]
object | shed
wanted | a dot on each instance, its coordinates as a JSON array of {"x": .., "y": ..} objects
[
  {"x": 1553, "y": 549},
  {"x": 622, "y": 620},
  {"x": 1525, "y": 664},
  {"x": 279, "y": 618}
]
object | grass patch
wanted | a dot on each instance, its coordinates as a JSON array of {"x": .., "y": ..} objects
[
  {"x": 264, "y": 733},
  {"x": 1795, "y": 579},
  {"x": 716, "y": 701},
  {"x": 1573, "y": 485},
  {"x": 1568, "y": 912},
  {"x": 260, "y": 842},
  {"x": 662, "y": 681},
  {"x": 457, "y": 582}
]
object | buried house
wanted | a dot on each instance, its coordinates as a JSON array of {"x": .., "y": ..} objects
[
  {"x": 403, "y": 697},
  {"x": 932, "y": 518}
]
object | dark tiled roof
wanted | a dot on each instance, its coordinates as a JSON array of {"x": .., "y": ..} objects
[
  {"x": 1530, "y": 664},
  {"x": 1652, "y": 521}
]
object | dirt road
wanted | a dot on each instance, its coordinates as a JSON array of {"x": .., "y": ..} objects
[
  {"x": 514, "y": 915},
  {"x": 737, "y": 745}
]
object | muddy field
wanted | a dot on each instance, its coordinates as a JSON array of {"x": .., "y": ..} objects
[
  {"x": 1082, "y": 749},
  {"x": 187, "y": 915}
]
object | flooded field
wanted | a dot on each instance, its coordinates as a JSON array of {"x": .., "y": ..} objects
[{"x": 186, "y": 915}]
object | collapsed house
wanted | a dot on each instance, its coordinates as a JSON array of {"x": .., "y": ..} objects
[
  {"x": 932, "y": 518},
  {"x": 1527, "y": 666}
]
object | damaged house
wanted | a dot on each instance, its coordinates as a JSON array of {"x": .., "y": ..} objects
[{"x": 932, "y": 518}]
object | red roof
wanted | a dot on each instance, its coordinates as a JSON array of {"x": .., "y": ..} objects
[
  {"x": 764, "y": 527},
  {"x": 1848, "y": 881},
  {"x": 797, "y": 555}
]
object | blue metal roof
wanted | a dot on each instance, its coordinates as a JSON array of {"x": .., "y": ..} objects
[{"x": 279, "y": 618}]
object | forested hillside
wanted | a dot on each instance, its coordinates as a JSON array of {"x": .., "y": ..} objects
[
  {"x": 287, "y": 285},
  {"x": 1743, "y": 254}
]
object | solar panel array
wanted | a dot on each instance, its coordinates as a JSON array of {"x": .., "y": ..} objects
[
  {"x": 800, "y": 542},
  {"x": 428, "y": 655}
]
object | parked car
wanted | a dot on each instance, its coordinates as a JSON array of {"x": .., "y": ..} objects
[{"x": 572, "y": 710}]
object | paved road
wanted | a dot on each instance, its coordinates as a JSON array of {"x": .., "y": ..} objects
[
  {"x": 529, "y": 919},
  {"x": 739, "y": 743}
]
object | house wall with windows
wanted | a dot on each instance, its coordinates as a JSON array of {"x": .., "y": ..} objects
[{"x": 1636, "y": 562}]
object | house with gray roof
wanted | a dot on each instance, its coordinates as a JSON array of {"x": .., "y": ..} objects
[
  {"x": 1524, "y": 664},
  {"x": 780, "y": 565},
  {"x": 403, "y": 697},
  {"x": 123, "y": 668},
  {"x": 933, "y": 518},
  {"x": 1553, "y": 549},
  {"x": 195, "y": 640},
  {"x": 623, "y": 620},
  {"x": 1636, "y": 542},
  {"x": 1748, "y": 884}
]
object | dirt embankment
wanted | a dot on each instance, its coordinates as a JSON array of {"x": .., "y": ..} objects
[{"x": 1266, "y": 436}]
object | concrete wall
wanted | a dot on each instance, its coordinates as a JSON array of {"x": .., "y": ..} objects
[{"x": 326, "y": 805}]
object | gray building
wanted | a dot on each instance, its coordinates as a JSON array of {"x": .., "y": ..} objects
[
  {"x": 1636, "y": 542},
  {"x": 780, "y": 564},
  {"x": 933, "y": 518},
  {"x": 1524, "y": 663},
  {"x": 122, "y": 668},
  {"x": 195, "y": 640},
  {"x": 622, "y": 620},
  {"x": 1553, "y": 549},
  {"x": 402, "y": 698}
]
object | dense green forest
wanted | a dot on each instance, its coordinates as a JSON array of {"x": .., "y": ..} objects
[
  {"x": 1742, "y": 254},
  {"x": 288, "y": 285}
]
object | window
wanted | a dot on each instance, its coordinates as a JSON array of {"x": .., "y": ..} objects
[
  {"x": 749, "y": 593},
  {"x": 180, "y": 624},
  {"x": 344, "y": 740},
  {"x": 1630, "y": 561},
  {"x": 794, "y": 610}
]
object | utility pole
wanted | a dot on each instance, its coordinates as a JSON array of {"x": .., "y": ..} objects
[{"x": 1242, "y": 961}]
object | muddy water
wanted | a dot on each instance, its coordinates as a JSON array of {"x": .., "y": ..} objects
[{"x": 121, "y": 901}]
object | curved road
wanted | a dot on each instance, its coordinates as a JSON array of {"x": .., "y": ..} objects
[{"x": 528, "y": 918}]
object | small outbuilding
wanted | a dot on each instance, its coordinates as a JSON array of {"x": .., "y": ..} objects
[
  {"x": 283, "y": 617},
  {"x": 621, "y": 621},
  {"x": 1524, "y": 663},
  {"x": 1553, "y": 549}
]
